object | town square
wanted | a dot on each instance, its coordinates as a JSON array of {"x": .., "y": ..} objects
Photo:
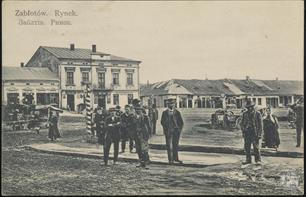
[{"x": 176, "y": 98}]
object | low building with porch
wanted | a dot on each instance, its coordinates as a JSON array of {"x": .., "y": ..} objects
[
  {"x": 222, "y": 93},
  {"x": 21, "y": 85}
]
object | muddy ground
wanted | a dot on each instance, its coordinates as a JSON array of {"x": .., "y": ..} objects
[{"x": 30, "y": 173}]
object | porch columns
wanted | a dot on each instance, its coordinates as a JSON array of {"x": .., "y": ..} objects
[{"x": 224, "y": 102}]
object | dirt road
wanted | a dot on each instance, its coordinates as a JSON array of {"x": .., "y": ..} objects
[{"x": 30, "y": 173}]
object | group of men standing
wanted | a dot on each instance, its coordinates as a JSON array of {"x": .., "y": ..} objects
[{"x": 136, "y": 124}]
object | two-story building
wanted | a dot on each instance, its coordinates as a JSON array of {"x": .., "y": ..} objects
[
  {"x": 22, "y": 85},
  {"x": 113, "y": 80}
]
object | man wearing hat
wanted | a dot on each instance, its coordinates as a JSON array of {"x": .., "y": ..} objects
[
  {"x": 172, "y": 123},
  {"x": 141, "y": 135},
  {"x": 251, "y": 126},
  {"x": 112, "y": 135}
]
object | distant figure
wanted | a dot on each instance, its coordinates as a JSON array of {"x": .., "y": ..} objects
[
  {"x": 125, "y": 121},
  {"x": 299, "y": 111},
  {"x": 291, "y": 118},
  {"x": 172, "y": 123},
  {"x": 53, "y": 126},
  {"x": 148, "y": 119},
  {"x": 270, "y": 127},
  {"x": 154, "y": 113},
  {"x": 35, "y": 122},
  {"x": 251, "y": 126}
]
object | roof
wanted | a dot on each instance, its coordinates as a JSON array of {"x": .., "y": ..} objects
[
  {"x": 286, "y": 87},
  {"x": 78, "y": 53},
  {"x": 180, "y": 86},
  {"x": 223, "y": 86},
  {"x": 27, "y": 73}
]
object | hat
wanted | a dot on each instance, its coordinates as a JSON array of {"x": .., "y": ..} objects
[
  {"x": 135, "y": 101},
  {"x": 127, "y": 106},
  {"x": 118, "y": 107},
  {"x": 249, "y": 103},
  {"x": 171, "y": 100}
]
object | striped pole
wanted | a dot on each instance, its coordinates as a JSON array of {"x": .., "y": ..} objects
[{"x": 88, "y": 109}]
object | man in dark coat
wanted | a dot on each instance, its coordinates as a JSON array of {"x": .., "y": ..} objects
[
  {"x": 126, "y": 127},
  {"x": 298, "y": 108},
  {"x": 251, "y": 126},
  {"x": 141, "y": 135},
  {"x": 112, "y": 135},
  {"x": 154, "y": 117},
  {"x": 100, "y": 125},
  {"x": 172, "y": 123}
]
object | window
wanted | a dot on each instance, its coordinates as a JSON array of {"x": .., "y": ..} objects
[
  {"x": 70, "y": 78},
  {"x": 281, "y": 99},
  {"x": 259, "y": 101},
  {"x": 101, "y": 80},
  {"x": 130, "y": 98},
  {"x": 130, "y": 78},
  {"x": 116, "y": 99},
  {"x": 115, "y": 78},
  {"x": 254, "y": 100},
  {"x": 129, "y": 65},
  {"x": 85, "y": 76}
]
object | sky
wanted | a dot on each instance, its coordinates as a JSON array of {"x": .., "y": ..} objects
[{"x": 174, "y": 40}]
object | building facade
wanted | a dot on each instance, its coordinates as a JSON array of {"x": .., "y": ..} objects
[
  {"x": 112, "y": 80},
  {"x": 37, "y": 86},
  {"x": 223, "y": 93}
]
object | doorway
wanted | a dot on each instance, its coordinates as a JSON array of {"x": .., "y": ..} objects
[
  {"x": 102, "y": 101},
  {"x": 70, "y": 101}
]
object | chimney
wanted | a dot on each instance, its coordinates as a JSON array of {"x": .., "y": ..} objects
[
  {"x": 277, "y": 83},
  {"x": 21, "y": 64},
  {"x": 94, "y": 48},
  {"x": 72, "y": 47}
]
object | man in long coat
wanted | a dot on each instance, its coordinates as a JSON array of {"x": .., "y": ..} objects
[
  {"x": 112, "y": 123},
  {"x": 172, "y": 123},
  {"x": 141, "y": 135},
  {"x": 298, "y": 108},
  {"x": 251, "y": 126}
]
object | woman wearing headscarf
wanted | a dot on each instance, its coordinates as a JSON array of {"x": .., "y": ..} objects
[{"x": 270, "y": 125}]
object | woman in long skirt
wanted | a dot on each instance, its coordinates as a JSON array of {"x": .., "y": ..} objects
[
  {"x": 53, "y": 126},
  {"x": 270, "y": 125}
]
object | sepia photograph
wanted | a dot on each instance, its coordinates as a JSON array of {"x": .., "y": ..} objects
[{"x": 152, "y": 98}]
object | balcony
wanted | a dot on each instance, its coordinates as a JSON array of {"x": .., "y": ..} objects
[{"x": 102, "y": 87}]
